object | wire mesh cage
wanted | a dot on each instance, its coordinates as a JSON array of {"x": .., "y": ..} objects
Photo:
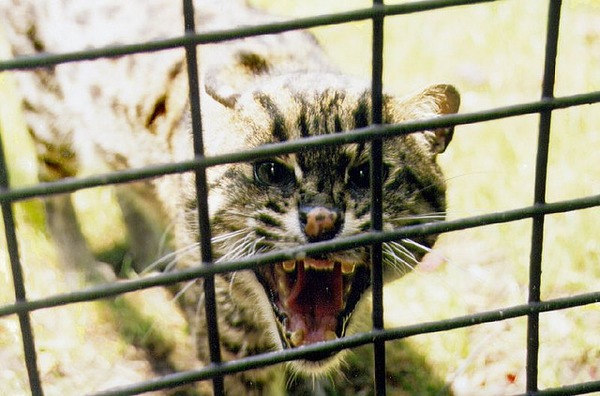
[{"x": 378, "y": 14}]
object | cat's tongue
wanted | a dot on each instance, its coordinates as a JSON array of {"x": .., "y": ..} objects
[{"x": 315, "y": 301}]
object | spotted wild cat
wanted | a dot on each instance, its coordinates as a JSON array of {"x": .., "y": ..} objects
[{"x": 132, "y": 111}]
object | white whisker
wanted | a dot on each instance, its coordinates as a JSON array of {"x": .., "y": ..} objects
[
  {"x": 163, "y": 244},
  {"x": 184, "y": 289},
  {"x": 430, "y": 260},
  {"x": 170, "y": 259},
  {"x": 228, "y": 235},
  {"x": 237, "y": 251},
  {"x": 417, "y": 245},
  {"x": 433, "y": 216},
  {"x": 231, "y": 282},
  {"x": 236, "y": 247},
  {"x": 399, "y": 257}
]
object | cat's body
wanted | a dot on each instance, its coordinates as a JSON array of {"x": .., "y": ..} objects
[{"x": 132, "y": 111}]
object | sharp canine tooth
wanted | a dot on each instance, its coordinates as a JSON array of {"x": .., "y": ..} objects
[
  {"x": 348, "y": 268},
  {"x": 297, "y": 337},
  {"x": 330, "y": 335},
  {"x": 289, "y": 265}
]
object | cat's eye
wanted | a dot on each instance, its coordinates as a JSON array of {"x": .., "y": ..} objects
[
  {"x": 274, "y": 174},
  {"x": 360, "y": 176}
]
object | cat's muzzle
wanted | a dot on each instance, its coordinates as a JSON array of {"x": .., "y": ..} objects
[{"x": 314, "y": 298}]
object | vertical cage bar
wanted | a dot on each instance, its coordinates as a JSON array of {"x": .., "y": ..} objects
[
  {"x": 19, "y": 282},
  {"x": 210, "y": 306},
  {"x": 541, "y": 171},
  {"x": 377, "y": 197}
]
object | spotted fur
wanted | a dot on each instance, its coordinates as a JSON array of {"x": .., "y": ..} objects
[{"x": 253, "y": 92}]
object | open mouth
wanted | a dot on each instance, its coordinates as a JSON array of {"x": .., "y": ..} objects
[{"x": 314, "y": 298}]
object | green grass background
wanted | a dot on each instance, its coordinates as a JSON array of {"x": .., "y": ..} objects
[{"x": 494, "y": 54}]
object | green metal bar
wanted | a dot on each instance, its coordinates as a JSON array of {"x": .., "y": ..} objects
[
  {"x": 27, "y": 336},
  {"x": 358, "y": 340},
  {"x": 113, "y": 289},
  {"x": 581, "y": 388},
  {"x": 42, "y": 60},
  {"x": 378, "y": 336},
  {"x": 208, "y": 284},
  {"x": 376, "y": 187},
  {"x": 541, "y": 175},
  {"x": 357, "y": 136}
]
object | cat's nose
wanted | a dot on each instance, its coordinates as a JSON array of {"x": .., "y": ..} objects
[{"x": 320, "y": 223}]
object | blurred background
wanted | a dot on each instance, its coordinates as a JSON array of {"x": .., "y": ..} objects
[{"x": 493, "y": 53}]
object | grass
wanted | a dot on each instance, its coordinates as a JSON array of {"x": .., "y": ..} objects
[{"x": 494, "y": 54}]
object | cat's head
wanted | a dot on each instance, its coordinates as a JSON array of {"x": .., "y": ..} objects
[{"x": 320, "y": 194}]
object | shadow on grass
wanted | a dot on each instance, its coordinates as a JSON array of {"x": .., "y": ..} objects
[{"x": 408, "y": 372}]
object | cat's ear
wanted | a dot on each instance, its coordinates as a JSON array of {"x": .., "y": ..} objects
[
  {"x": 222, "y": 93},
  {"x": 226, "y": 81},
  {"x": 433, "y": 101}
]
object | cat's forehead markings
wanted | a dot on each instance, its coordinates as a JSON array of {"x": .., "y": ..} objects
[{"x": 356, "y": 152}]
